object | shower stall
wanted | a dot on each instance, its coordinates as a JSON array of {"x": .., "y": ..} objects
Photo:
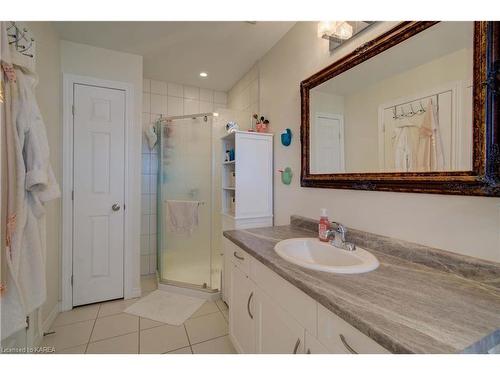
[{"x": 189, "y": 258}]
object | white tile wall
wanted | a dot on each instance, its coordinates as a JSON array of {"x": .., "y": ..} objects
[
  {"x": 174, "y": 100},
  {"x": 244, "y": 97}
]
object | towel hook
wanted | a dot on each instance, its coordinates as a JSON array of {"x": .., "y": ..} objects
[{"x": 412, "y": 111}]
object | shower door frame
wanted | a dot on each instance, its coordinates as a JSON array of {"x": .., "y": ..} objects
[{"x": 159, "y": 223}]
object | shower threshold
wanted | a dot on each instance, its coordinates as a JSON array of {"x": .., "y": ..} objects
[{"x": 193, "y": 290}]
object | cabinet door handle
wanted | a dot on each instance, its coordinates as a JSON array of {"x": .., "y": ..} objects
[
  {"x": 248, "y": 305},
  {"x": 296, "y": 347},
  {"x": 347, "y": 346},
  {"x": 238, "y": 256}
]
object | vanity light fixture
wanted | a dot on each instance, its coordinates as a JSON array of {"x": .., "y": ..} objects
[
  {"x": 203, "y": 74},
  {"x": 338, "y": 32}
]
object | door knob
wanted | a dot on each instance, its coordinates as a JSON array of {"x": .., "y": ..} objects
[{"x": 115, "y": 207}]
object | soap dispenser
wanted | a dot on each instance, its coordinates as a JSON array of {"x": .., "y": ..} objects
[{"x": 324, "y": 226}]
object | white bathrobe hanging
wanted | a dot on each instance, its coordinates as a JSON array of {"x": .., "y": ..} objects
[
  {"x": 430, "y": 154},
  {"x": 36, "y": 185}
]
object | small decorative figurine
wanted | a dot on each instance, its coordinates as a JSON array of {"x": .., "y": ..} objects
[
  {"x": 286, "y": 138},
  {"x": 286, "y": 175},
  {"x": 232, "y": 126}
]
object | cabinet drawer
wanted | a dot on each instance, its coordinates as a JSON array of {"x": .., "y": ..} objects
[
  {"x": 302, "y": 307},
  {"x": 340, "y": 337},
  {"x": 237, "y": 256}
]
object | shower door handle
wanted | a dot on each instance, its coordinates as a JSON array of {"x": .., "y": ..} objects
[{"x": 115, "y": 207}]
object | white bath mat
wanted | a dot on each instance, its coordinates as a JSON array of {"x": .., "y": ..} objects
[{"x": 166, "y": 307}]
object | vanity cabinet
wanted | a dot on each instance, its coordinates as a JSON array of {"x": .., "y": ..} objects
[
  {"x": 277, "y": 331},
  {"x": 313, "y": 346},
  {"x": 269, "y": 315},
  {"x": 340, "y": 337},
  {"x": 241, "y": 317}
]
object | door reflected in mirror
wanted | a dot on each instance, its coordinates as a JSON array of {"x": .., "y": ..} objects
[{"x": 407, "y": 109}]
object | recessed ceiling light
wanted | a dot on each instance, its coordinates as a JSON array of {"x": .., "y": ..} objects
[{"x": 204, "y": 74}]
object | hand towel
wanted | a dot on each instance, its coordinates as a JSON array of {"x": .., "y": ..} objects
[
  {"x": 149, "y": 132},
  {"x": 182, "y": 216}
]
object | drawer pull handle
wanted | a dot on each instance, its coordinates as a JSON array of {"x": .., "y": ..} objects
[
  {"x": 238, "y": 256},
  {"x": 347, "y": 346},
  {"x": 248, "y": 305},
  {"x": 296, "y": 347}
]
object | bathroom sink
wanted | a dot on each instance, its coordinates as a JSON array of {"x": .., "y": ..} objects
[{"x": 321, "y": 256}]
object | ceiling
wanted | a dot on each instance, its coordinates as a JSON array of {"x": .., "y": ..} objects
[{"x": 179, "y": 51}]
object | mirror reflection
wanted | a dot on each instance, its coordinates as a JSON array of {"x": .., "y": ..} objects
[{"x": 408, "y": 109}]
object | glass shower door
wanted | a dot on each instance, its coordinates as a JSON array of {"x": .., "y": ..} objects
[{"x": 185, "y": 173}]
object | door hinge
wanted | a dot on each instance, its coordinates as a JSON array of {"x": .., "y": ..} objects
[
  {"x": 73, "y": 110},
  {"x": 71, "y": 280},
  {"x": 72, "y": 195},
  {"x": 27, "y": 322},
  {"x": 124, "y": 207}
]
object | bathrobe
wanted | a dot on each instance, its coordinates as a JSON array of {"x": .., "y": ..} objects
[
  {"x": 430, "y": 154},
  {"x": 35, "y": 185},
  {"x": 417, "y": 142},
  {"x": 405, "y": 143}
]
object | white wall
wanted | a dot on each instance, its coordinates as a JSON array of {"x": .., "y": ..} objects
[
  {"x": 243, "y": 98},
  {"x": 171, "y": 99},
  {"x": 85, "y": 60},
  {"x": 466, "y": 225}
]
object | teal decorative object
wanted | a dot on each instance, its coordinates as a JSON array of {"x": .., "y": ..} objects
[
  {"x": 286, "y": 137},
  {"x": 286, "y": 175}
]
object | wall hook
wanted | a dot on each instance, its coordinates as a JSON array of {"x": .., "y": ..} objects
[
  {"x": 286, "y": 175},
  {"x": 286, "y": 137}
]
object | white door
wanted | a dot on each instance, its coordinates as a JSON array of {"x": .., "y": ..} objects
[
  {"x": 277, "y": 331},
  {"x": 98, "y": 181},
  {"x": 241, "y": 312},
  {"x": 329, "y": 144}
]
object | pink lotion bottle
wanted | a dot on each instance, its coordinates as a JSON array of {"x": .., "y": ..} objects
[{"x": 324, "y": 226}]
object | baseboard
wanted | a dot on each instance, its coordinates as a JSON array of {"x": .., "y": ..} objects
[
  {"x": 47, "y": 323},
  {"x": 134, "y": 293},
  {"x": 52, "y": 316}
]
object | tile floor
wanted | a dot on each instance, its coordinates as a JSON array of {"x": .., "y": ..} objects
[{"x": 104, "y": 328}]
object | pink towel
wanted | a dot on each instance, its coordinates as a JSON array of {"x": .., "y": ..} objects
[{"x": 182, "y": 216}]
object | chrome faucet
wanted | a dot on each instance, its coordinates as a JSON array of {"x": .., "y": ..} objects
[{"x": 339, "y": 237}]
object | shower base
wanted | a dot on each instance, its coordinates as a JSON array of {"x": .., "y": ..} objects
[{"x": 189, "y": 290}]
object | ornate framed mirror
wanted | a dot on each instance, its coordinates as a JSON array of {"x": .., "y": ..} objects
[{"x": 413, "y": 110}]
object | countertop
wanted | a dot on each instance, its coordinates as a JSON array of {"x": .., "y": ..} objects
[{"x": 419, "y": 300}]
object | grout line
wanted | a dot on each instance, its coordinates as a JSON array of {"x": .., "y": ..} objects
[
  {"x": 184, "y": 347},
  {"x": 189, "y": 341},
  {"x": 91, "y": 332},
  {"x": 139, "y": 337},
  {"x": 75, "y": 322},
  {"x": 204, "y": 315},
  {"x": 213, "y": 338},
  {"x": 112, "y": 337}
]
